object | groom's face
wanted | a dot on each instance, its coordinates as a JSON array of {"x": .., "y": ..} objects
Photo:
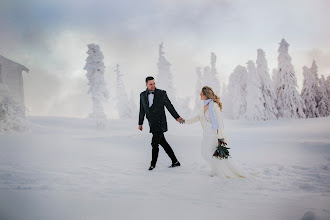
[{"x": 151, "y": 85}]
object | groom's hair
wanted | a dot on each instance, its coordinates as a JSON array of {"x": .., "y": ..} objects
[{"x": 149, "y": 78}]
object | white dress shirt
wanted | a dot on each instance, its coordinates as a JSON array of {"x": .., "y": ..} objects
[{"x": 151, "y": 99}]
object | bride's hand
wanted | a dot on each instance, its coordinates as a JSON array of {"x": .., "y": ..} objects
[{"x": 221, "y": 140}]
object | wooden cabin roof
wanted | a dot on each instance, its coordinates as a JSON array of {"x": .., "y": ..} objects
[{"x": 8, "y": 60}]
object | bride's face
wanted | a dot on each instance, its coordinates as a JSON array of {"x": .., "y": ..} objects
[{"x": 203, "y": 97}]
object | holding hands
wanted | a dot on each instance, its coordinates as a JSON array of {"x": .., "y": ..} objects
[{"x": 180, "y": 120}]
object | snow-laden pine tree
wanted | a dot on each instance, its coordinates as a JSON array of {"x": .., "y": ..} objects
[
  {"x": 289, "y": 103},
  {"x": 12, "y": 113},
  {"x": 308, "y": 94},
  {"x": 328, "y": 85},
  {"x": 315, "y": 82},
  {"x": 255, "y": 102},
  {"x": 274, "y": 79},
  {"x": 164, "y": 79},
  {"x": 198, "y": 89},
  {"x": 207, "y": 77},
  {"x": 267, "y": 86},
  {"x": 223, "y": 89},
  {"x": 237, "y": 91},
  {"x": 183, "y": 106},
  {"x": 122, "y": 97},
  {"x": 226, "y": 101},
  {"x": 211, "y": 76},
  {"x": 133, "y": 108},
  {"x": 215, "y": 76},
  {"x": 324, "y": 103},
  {"x": 97, "y": 86}
]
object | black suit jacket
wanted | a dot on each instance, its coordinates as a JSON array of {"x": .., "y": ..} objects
[{"x": 156, "y": 113}]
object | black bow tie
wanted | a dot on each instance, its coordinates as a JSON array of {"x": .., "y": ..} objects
[{"x": 151, "y": 92}]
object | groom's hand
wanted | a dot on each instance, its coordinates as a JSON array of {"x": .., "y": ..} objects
[
  {"x": 140, "y": 127},
  {"x": 179, "y": 120}
]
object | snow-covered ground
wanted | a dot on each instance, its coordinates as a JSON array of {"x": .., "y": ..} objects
[{"x": 66, "y": 169}]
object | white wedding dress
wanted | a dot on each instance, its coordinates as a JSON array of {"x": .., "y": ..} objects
[{"x": 225, "y": 168}]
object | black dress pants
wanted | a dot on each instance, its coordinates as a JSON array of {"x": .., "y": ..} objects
[{"x": 159, "y": 139}]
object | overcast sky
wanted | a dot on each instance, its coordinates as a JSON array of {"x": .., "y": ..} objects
[{"x": 50, "y": 38}]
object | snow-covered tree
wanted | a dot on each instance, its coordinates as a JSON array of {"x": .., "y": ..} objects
[
  {"x": 207, "y": 76},
  {"x": 308, "y": 94},
  {"x": 321, "y": 96},
  {"x": 274, "y": 78},
  {"x": 315, "y": 81},
  {"x": 324, "y": 103},
  {"x": 12, "y": 113},
  {"x": 183, "y": 106},
  {"x": 198, "y": 89},
  {"x": 255, "y": 102},
  {"x": 121, "y": 95},
  {"x": 211, "y": 76},
  {"x": 164, "y": 79},
  {"x": 267, "y": 86},
  {"x": 133, "y": 108},
  {"x": 223, "y": 89},
  {"x": 214, "y": 74},
  {"x": 289, "y": 103},
  {"x": 328, "y": 85},
  {"x": 97, "y": 86},
  {"x": 226, "y": 102},
  {"x": 237, "y": 91}
]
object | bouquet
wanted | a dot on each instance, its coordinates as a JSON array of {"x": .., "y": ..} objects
[{"x": 222, "y": 151}]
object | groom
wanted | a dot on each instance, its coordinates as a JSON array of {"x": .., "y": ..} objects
[{"x": 152, "y": 102}]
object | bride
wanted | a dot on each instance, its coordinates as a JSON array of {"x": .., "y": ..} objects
[{"x": 210, "y": 118}]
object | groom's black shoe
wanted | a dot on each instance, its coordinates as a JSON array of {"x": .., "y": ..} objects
[
  {"x": 151, "y": 167},
  {"x": 176, "y": 164}
]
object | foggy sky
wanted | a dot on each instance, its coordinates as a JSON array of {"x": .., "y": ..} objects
[{"x": 51, "y": 37}]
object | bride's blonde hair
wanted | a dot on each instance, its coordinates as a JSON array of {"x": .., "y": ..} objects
[{"x": 209, "y": 93}]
